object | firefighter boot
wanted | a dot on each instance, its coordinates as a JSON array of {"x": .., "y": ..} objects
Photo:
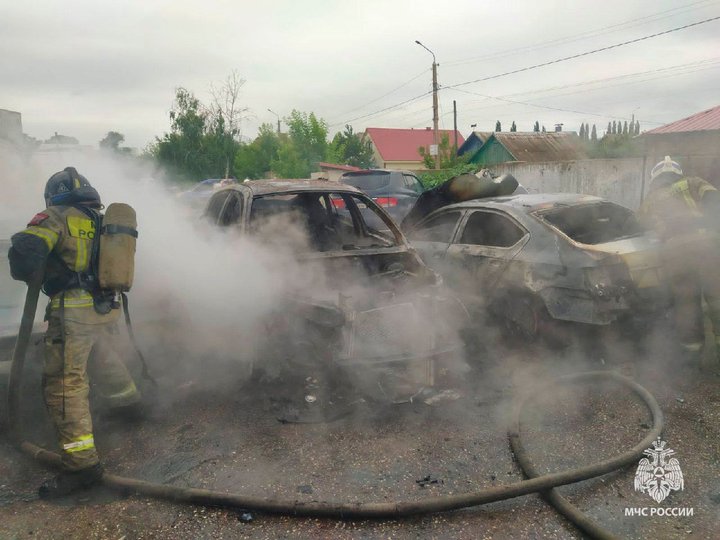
[
  {"x": 68, "y": 482},
  {"x": 692, "y": 356}
]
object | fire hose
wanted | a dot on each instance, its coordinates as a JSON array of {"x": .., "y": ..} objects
[{"x": 543, "y": 484}]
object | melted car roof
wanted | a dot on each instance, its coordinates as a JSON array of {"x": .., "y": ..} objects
[
  {"x": 268, "y": 187},
  {"x": 530, "y": 202}
]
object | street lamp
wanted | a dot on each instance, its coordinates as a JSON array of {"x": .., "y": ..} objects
[
  {"x": 435, "y": 105},
  {"x": 278, "y": 120}
]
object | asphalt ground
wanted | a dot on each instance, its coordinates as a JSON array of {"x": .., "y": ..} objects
[{"x": 229, "y": 439}]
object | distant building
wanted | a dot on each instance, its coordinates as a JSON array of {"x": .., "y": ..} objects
[
  {"x": 694, "y": 142},
  {"x": 61, "y": 139},
  {"x": 473, "y": 143},
  {"x": 11, "y": 126},
  {"x": 332, "y": 171},
  {"x": 398, "y": 148},
  {"x": 503, "y": 147}
]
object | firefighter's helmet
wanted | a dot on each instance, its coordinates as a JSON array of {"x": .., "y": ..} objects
[
  {"x": 666, "y": 166},
  {"x": 69, "y": 187}
]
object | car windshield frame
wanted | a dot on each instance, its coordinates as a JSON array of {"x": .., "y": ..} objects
[
  {"x": 574, "y": 236},
  {"x": 389, "y": 240}
]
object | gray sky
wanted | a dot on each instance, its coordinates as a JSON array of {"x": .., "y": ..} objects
[{"x": 83, "y": 68}]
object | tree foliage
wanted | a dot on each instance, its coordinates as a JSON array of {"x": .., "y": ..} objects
[
  {"x": 226, "y": 115},
  {"x": 254, "y": 160},
  {"x": 513, "y": 127},
  {"x": 350, "y": 148},
  {"x": 199, "y": 143},
  {"x": 498, "y": 126},
  {"x": 447, "y": 155},
  {"x": 112, "y": 141},
  {"x": 433, "y": 178},
  {"x": 536, "y": 127}
]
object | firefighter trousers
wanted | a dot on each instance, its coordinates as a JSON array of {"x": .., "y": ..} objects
[
  {"x": 692, "y": 265},
  {"x": 66, "y": 383}
]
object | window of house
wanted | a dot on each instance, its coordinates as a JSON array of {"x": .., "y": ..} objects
[{"x": 491, "y": 229}]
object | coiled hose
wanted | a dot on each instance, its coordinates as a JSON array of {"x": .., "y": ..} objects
[{"x": 378, "y": 510}]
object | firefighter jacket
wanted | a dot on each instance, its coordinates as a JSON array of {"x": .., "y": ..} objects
[
  {"x": 60, "y": 240},
  {"x": 681, "y": 208}
]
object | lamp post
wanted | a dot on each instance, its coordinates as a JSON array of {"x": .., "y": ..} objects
[
  {"x": 435, "y": 105},
  {"x": 278, "y": 119}
]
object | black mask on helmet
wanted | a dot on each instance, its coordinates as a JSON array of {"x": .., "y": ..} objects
[{"x": 68, "y": 187}]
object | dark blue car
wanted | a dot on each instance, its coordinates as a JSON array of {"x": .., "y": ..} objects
[{"x": 395, "y": 191}]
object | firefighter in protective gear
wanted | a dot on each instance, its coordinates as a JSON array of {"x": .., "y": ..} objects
[
  {"x": 684, "y": 211},
  {"x": 59, "y": 244}
]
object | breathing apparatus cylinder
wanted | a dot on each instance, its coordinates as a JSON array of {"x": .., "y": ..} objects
[{"x": 118, "y": 236}]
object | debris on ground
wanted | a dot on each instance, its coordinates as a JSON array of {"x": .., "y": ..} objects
[{"x": 428, "y": 480}]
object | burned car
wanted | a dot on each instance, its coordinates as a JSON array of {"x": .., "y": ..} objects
[
  {"x": 380, "y": 317},
  {"x": 528, "y": 260}
]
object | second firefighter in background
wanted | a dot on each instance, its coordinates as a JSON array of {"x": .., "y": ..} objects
[{"x": 685, "y": 213}]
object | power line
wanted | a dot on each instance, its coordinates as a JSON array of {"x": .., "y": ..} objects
[
  {"x": 391, "y": 107},
  {"x": 548, "y": 107},
  {"x": 579, "y": 37},
  {"x": 386, "y": 94},
  {"x": 528, "y": 68},
  {"x": 695, "y": 66},
  {"x": 586, "y": 53}
]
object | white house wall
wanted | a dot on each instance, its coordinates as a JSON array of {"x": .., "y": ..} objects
[{"x": 618, "y": 180}]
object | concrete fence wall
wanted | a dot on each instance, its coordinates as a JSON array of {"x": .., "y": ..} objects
[{"x": 618, "y": 180}]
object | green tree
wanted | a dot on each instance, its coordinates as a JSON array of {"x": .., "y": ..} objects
[
  {"x": 582, "y": 132},
  {"x": 536, "y": 127},
  {"x": 513, "y": 127},
  {"x": 593, "y": 134},
  {"x": 625, "y": 128},
  {"x": 254, "y": 160},
  {"x": 203, "y": 140},
  {"x": 226, "y": 115},
  {"x": 181, "y": 149},
  {"x": 290, "y": 162},
  {"x": 498, "y": 126},
  {"x": 446, "y": 153},
  {"x": 350, "y": 148},
  {"x": 112, "y": 141},
  {"x": 309, "y": 136}
]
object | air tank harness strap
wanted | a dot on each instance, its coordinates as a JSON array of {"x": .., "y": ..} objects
[
  {"x": 128, "y": 323},
  {"x": 119, "y": 229}
]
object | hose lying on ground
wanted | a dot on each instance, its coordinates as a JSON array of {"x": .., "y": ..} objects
[
  {"x": 562, "y": 505},
  {"x": 536, "y": 484}
]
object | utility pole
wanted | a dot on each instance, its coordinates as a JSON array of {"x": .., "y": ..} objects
[
  {"x": 278, "y": 120},
  {"x": 455, "y": 147},
  {"x": 436, "y": 142}
]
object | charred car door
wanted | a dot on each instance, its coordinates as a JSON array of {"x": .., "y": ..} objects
[
  {"x": 487, "y": 243},
  {"x": 432, "y": 237}
]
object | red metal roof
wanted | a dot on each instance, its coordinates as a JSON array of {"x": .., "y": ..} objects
[
  {"x": 402, "y": 144},
  {"x": 702, "y": 121},
  {"x": 336, "y": 167}
]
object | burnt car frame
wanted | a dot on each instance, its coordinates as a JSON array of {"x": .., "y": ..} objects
[
  {"x": 528, "y": 260},
  {"x": 373, "y": 320}
]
